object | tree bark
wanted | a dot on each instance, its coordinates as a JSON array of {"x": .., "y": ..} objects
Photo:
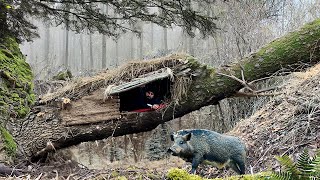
[{"x": 39, "y": 134}]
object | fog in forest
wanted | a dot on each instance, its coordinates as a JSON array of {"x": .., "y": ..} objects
[{"x": 244, "y": 27}]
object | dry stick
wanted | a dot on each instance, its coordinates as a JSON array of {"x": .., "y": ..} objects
[
  {"x": 260, "y": 79},
  {"x": 270, "y": 147},
  {"x": 248, "y": 86},
  {"x": 243, "y": 94},
  {"x": 39, "y": 177},
  {"x": 242, "y": 75},
  {"x": 239, "y": 80},
  {"x": 57, "y": 174},
  {"x": 269, "y": 89}
]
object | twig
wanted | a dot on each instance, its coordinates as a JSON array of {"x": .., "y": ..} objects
[
  {"x": 244, "y": 83},
  {"x": 270, "y": 147},
  {"x": 261, "y": 79},
  {"x": 38, "y": 178},
  {"x": 57, "y": 175},
  {"x": 243, "y": 94},
  {"x": 268, "y": 89}
]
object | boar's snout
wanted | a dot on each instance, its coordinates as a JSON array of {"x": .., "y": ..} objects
[{"x": 172, "y": 151}]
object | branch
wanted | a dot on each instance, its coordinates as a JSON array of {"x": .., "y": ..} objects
[
  {"x": 243, "y": 94},
  {"x": 243, "y": 82}
]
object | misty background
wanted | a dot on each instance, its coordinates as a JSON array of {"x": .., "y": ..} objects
[{"x": 244, "y": 27}]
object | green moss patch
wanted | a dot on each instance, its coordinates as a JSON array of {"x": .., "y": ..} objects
[
  {"x": 16, "y": 87},
  {"x": 9, "y": 144},
  {"x": 63, "y": 75},
  {"x": 179, "y": 174}
]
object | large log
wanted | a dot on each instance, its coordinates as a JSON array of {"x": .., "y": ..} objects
[{"x": 39, "y": 134}]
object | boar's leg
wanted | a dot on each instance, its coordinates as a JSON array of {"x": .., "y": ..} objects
[
  {"x": 197, "y": 159},
  {"x": 237, "y": 164}
]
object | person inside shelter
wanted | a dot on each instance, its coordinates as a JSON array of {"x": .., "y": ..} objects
[
  {"x": 148, "y": 97},
  {"x": 148, "y": 100}
]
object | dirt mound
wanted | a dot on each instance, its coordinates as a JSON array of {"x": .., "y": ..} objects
[{"x": 286, "y": 125}]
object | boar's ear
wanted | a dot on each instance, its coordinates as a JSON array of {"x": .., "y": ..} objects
[
  {"x": 171, "y": 137},
  {"x": 187, "y": 137}
]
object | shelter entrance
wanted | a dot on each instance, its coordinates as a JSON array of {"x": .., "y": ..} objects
[
  {"x": 135, "y": 99},
  {"x": 145, "y": 93}
]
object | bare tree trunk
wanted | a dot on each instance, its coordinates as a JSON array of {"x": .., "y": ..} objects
[
  {"x": 82, "y": 67},
  {"x": 151, "y": 37},
  {"x": 47, "y": 47},
  {"x": 104, "y": 52},
  {"x": 216, "y": 43},
  {"x": 191, "y": 48},
  {"x": 91, "y": 52},
  {"x": 104, "y": 46},
  {"x": 66, "y": 51},
  {"x": 185, "y": 41},
  {"x": 116, "y": 60},
  {"x": 165, "y": 39},
  {"x": 131, "y": 46},
  {"x": 125, "y": 141},
  {"x": 39, "y": 133},
  {"x": 141, "y": 45},
  {"x": 74, "y": 60},
  {"x": 134, "y": 150}
]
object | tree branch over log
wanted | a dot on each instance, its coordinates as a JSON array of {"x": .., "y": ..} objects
[{"x": 206, "y": 87}]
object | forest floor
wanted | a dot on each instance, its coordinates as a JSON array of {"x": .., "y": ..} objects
[{"x": 287, "y": 124}]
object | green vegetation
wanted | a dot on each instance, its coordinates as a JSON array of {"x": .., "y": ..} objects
[
  {"x": 9, "y": 144},
  {"x": 16, "y": 87},
  {"x": 305, "y": 167},
  {"x": 179, "y": 174},
  {"x": 63, "y": 75}
]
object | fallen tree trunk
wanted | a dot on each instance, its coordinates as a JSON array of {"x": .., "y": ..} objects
[{"x": 43, "y": 129}]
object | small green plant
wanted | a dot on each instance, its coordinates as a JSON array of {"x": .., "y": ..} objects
[{"x": 306, "y": 167}]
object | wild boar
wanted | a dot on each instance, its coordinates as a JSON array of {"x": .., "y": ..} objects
[{"x": 199, "y": 145}]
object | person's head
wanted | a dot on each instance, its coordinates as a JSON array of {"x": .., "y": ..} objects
[{"x": 149, "y": 94}]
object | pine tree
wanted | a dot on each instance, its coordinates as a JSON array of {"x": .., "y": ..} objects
[{"x": 87, "y": 15}]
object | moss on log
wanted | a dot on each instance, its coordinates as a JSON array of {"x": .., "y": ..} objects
[
  {"x": 208, "y": 87},
  {"x": 16, "y": 86},
  {"x": 16, "y": 91}
]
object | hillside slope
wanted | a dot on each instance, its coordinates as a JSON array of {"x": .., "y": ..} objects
[{"x": 286, "y": 125}]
